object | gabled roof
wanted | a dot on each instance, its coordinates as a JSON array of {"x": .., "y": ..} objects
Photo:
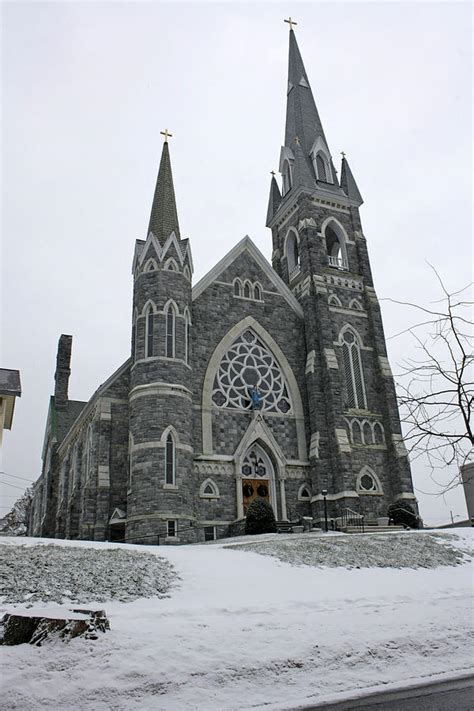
[{"x": 246, "y": 245}]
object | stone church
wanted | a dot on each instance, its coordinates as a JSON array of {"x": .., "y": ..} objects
[{"x": 259, "y": 380}]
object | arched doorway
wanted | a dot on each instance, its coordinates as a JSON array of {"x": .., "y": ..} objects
[{"x": 257, "y": 475}]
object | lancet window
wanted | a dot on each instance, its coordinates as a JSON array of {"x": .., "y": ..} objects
[{"x": 353, "y": 370}]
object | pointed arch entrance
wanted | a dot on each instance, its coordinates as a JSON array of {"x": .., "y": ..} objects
[
  {"x": 259, "y": 461},
  {"x": 257, "y": 474}
]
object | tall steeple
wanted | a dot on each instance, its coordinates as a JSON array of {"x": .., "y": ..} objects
[
  {"x": 305, "y": 160},
  {"x": 302, "y": 118},
  {"x": 164, "y": 215}
]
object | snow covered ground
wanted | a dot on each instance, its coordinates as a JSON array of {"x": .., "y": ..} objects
[{"x": 247, "y": 631}]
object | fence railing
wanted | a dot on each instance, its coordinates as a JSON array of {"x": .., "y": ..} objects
[{"x": 338, "y": 262}]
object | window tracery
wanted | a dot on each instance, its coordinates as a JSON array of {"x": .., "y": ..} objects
[
  {"x": 353, "y": 370},
  {"x": 248, "y": 366}
]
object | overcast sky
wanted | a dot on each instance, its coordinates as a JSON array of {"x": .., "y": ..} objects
[{"x": 86, "y": 90}]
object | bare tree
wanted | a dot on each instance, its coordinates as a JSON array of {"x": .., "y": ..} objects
[
  {"x": 15, "y": 523},
  {"x": 436, "y": 386}
]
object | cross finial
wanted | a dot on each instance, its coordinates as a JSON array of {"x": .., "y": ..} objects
[
  {"x": 166, "y": 134},
  {"x": 272, "y": 172},
  {"x": 290, "y": 22},
  {"x": 343, "y": 154}
]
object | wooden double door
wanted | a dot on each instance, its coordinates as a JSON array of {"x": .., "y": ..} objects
[{"x": 251, "y": 488}]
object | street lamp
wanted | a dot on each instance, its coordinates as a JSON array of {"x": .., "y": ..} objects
[{"x": 325, "y": 493}]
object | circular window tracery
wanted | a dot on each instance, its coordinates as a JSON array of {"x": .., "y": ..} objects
[
  {"x": 249, "y": 366},
  {"x": 367, "y": 483}
]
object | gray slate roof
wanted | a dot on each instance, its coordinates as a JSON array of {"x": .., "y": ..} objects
[
  {"x": 164, "y": 215},
  {"x": 348, "y": 184}
]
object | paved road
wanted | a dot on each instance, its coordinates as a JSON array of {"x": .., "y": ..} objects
[{"x": 456, "y": 695}]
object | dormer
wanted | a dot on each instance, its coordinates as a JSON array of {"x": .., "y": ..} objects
[{"x": 321, "y": 160}]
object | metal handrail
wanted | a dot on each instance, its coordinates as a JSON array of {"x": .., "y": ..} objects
[
  {"x": 290, "y": 512},
  {"x": 352, "y": 518}
]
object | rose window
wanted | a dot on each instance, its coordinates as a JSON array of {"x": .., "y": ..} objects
[{"x": 249, "y": 367}]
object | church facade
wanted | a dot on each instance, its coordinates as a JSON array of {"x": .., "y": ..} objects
[{"x": 259, "y": 380}]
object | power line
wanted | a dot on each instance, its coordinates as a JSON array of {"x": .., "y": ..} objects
[
  {"x": 15, "y": 476},
  {"x": 20, "y": 488}
]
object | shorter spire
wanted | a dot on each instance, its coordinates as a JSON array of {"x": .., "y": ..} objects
[
  {"x": 274, "y": 199},
  {"x": 164, "y": 215},
  {"x": 348, "y": 184}
]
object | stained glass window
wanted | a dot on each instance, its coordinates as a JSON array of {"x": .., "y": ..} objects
[{"x": 249, "y": 366}]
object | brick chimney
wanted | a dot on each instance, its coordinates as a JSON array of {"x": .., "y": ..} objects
[{"x": 63, "y": 371}]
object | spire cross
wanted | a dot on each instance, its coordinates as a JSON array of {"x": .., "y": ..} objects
[
  {"x": 343, "y": 154},
  {"x": 272, "y": 172},
  {"x": 290, "y": 22},
  {"x": 166, "y": 134}
]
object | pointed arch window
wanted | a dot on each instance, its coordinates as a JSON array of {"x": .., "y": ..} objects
[
  {"x": 130, "y": 460},
  {"x": 149, "y": 332},
  {"x": 209, "y": 490},
  {"x": 88, "y": 457},
  {"x": 292, "y": 253},
  {"x": 237, "y": 288},
  {"x": 257, "y": 292},
  {"x": 379, "y": 436},
  {"x": 368, "y": 434},
  {"x": 170, "y": 331},
  {"x": 287, "y": 182},
  {"x": 334, "y": 301},
  {"x": 247, "y": 290},
  {"x": 336, "y": 247},
  {"x": 170, "y": 460},
  {"x": 353, "y": 373},
  {"x": 304, "y": 493},
  {"x": 187, "y": 337},
  {"x": 134, "y": 335},
  {"x": 321, "y": 168},
  {"x": 368, "y": 482}
]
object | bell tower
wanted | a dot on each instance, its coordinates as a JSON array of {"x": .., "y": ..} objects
[
  {"x": 160, "y": 490},
  {"x": 356, "y": 449}
]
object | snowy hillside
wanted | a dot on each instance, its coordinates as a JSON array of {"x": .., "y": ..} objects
[{"x": 240, "y": 630}]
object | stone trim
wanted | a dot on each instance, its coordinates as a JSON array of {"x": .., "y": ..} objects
[
  {"x": 310, "y": 362},
  {"x": 331, "y": 358},
  {"x": 342, "y": 440},
  {"x": 160, "y": 388},
  {"x": 405, "y": 495},
  {"x": 314, "y": 446},
  {"x": 103, "y": 476},
  {"x": 385, "y": 367},
  {"x": 220, "y": 468},
  {"x": 348, "y": 312},
  {"x": 157, "y": 444},
  {"x": 336, "y": 497},
  {"x": 399, "y": 445}
]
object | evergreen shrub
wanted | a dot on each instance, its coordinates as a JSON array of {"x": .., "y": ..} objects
[{"x": 260, "y": 517}]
